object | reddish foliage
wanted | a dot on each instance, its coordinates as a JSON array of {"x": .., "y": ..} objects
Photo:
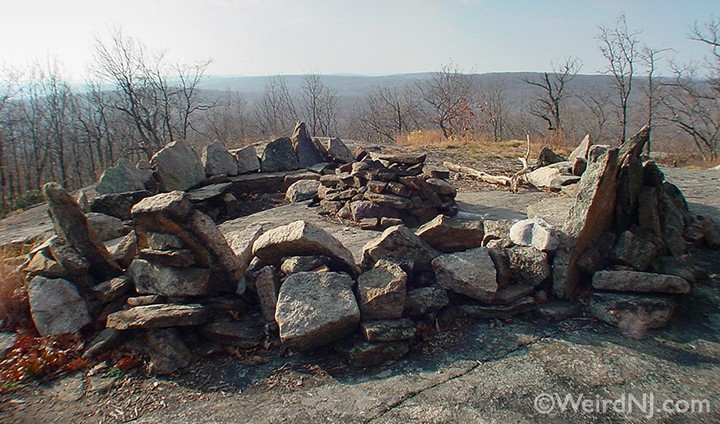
[{"x": 34, "y": 357}]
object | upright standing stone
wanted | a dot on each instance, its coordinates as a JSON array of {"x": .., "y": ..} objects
[
  {"x": 218, "y": 161},
  {"x": 247, "y": 159},
  {"x": 71, "y": 224},
  {"x": 307, "y": 152},
  {"x": 177, "y": 167},
  {"x": 279, "y": 156},
  {"x": 338, "y": 151}
]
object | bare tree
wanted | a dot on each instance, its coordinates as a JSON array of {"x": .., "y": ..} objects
[
  {"x": 596, "y": 101},
  {"x": 454, "y": 99},
  {"x": 227, "y": 121},
  {"x": 493, "y": 109},
  {"x": 650, "y": 56},
  {"x": 388, "y": 112},
  {"x": 319, "y": 106},
  {"x": 619, "y": 46},
  {"x": 275, "y": 114},
  {"x": 554, "y": 91}
]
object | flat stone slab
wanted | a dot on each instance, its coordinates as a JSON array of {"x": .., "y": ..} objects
[
  {"x": 212, "y": 191},
  {"x": 158, "y": 316},
  {"x": 635, "y": 281}
]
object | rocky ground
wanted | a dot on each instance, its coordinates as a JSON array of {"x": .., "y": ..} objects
[{"x": 470, "y": 371}]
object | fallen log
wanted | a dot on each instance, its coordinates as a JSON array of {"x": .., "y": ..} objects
[{"x": 483, "y": 176}]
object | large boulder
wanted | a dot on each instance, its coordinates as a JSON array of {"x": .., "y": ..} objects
[
  {"x": 120, "y": 178},
  {"x": 399, "y": 242},
  {"x": 177, "y": 167},
  {"x": 302, "y": 190},
  {"x": 118, "y": 204},
  {"x": 56, "y": 306},
  {"x": 452, "y": 235},
  {"x": 315, "y": 309},
  {"x": 338, "y": 151},
  {"x": 634, "y": 281},
  {"x": 167, "y": 351},
  {"x": 303, "y": 238},
  {"x": 528, "y": 265},
  {"x": 381, "y": 291},
  {"x": 305, "y": 148},
  {"x": 217, "y": 160},
  {"x": 425, "y": 300},
  {"x": 471, "y": 273},
  {"x": 279, "y": 156},
  {"x": 247, "y": 159},
  {"x": 72, "y": 225}
]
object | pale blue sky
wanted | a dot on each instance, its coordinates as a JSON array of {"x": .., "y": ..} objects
[{"x": 258, "y": 37}]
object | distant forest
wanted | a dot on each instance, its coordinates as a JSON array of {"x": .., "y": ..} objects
[{"x": 135, "y": 102}]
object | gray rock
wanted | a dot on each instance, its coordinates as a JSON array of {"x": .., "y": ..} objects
[
  {"x": 389, "y": 200},
  {"x": 385, "y": 331},
  {"x": 181, "y": 258},
  {"x": 241, "y": 242},
  {"x": 471, "y": 273},
  {"x": 56, "y": 306},
  {"x": 452, "y": 235},
  {"x": 112, "y": 289},
  {"x": 42, "y": 265},
  {"x": 424, "y": 300},
  {"x": 210, "y": 237},
  {"x": 671, "y": 265},
  {"x": 582, "y": 150},
  {"x": 303, "y": 238},
  {"x": 293, "y": 264},
  {"x": 167, "y": 351},
  {"x": 305, "y": 148},
  {"x": 441, "y": 187},
  {"x": 149, "y": 299},
  {"x": 266, "y": 286},
  {"x": 174, "y": 205},
  {"x": 242, "y": 334},
  {"x": 177, "y": 167},
  {"x": 521, "y": 306},
  {"x": 362, "y": 353},
  {"x": 124, "y": 250},
  {"x": 120, "y": 178},
  {"x": 106, "y": 339},
  {"x": 634, "y": 250},
  {"x": 314, "y": 309},
  {"x": 548, "y": 157},
  {"x": 546, "y": 177},
  {"x": 279, "y": 156},
  {"x": 496, "y": 229},
  {"x": 648, "y": 211},
  {"x": 247, "y": 159},
  {"x": 634, "y": 281},
  {"x": 633, "y": 314},
  {"x": 590, "y": 216},
  {"x": 528, "y": 265},
  {"x": 711, "y": 232},
  {"x": 7, "y": 341},
  {"x": 302, "y": 190},
  {"x": 118, "y": 204},
  {"x": 107, "y": 227},
  {"x": 674, "y": 217},
  {"x": 208, "y": 192},
  {"x": 404, "y": 158},
  {"x": 558, "y": 310},
  {"x": 400, "y": 243},
  {"x": 71, "y": 224},
  {"x": 158, "y": 316},
  {"x": 338, "y": 151},
  {"x": 536, "y": 233},
  {"x": 217, "y": 160},
  {"x": 511, "y": 293},
  {"x": 501, "y": 260},
  {"x": 168, "y": 281},
  {"x": 68, "y": 257},
  {"x": 579, "y": 166},
  {"x": 381, "y": 291},
  {"x": 630, "y": 182}
]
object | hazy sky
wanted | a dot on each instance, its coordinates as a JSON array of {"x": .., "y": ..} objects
[{"x": 258, "y": 37}]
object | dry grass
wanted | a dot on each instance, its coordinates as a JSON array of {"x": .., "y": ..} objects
[
  {"x": 14, "y": 307},
  {"x": 477, "y": 147}
]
